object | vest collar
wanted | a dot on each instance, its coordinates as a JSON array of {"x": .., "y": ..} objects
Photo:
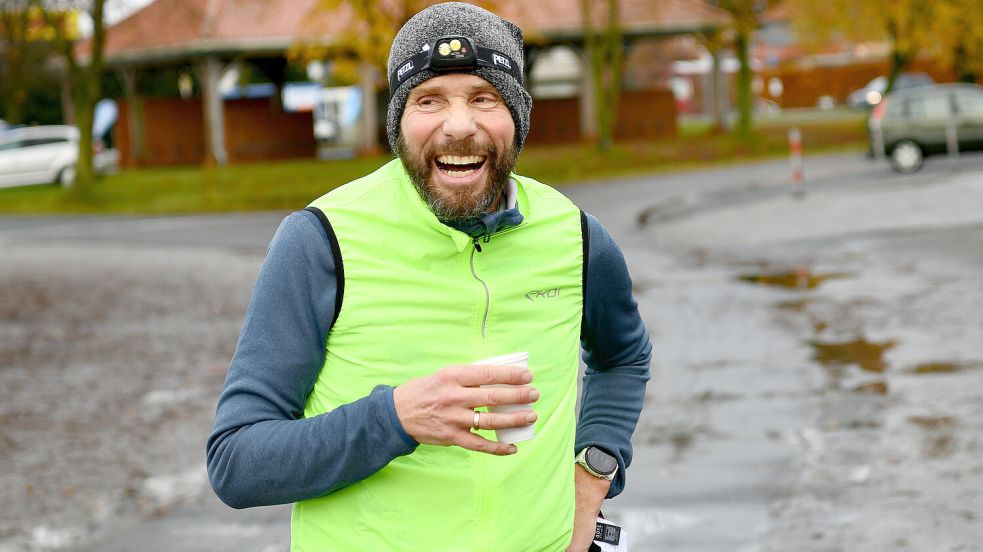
[{"x": 463, "y": 233}]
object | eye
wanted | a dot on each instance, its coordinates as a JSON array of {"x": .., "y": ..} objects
[
  {"x": 486, "y": 100},
  {"x": 428, "y": 103}
]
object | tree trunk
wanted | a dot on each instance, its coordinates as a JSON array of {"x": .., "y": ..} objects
[
  {"x": 899, "y": 60},
  {"x": 88, "y": 90},
  {"x": 607, "y": 57},
  {"x": 961, "y": 66},
  {"x": 13, "y": 27}
]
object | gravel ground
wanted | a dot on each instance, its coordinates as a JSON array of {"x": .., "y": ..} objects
[
  {"x": 887, "y": 334},
  {"x": 845, "y": 416},
  {"x": 111, "y": 359}
]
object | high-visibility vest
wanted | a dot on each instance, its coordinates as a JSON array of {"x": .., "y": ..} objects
[{"x": 418, "y": 296}]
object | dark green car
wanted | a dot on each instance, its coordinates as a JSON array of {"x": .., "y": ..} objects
[{"x": 910, "y": 124}]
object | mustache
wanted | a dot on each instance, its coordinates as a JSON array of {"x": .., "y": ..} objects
[{"x": 463, "y": 147}]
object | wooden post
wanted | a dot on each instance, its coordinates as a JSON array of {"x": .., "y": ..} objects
[
  {"x": 370, "y": 110},
  {"x": 134, "y": 119},
  {"x": 209, "y": 72},
  {"x": 588, "y": 99},
  {"x": 720, "y": 93}
]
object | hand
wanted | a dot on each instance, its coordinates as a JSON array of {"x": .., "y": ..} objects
[
  {"x": 591, "y": 492},
  {"x": 439, "y": 409}
]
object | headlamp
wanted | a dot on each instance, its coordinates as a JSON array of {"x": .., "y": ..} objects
[{"x": 450, "y": 54}]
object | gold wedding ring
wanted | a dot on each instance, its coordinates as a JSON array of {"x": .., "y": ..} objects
[{"x": 476, "y": 419}]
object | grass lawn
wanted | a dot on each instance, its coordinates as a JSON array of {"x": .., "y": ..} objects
[{"x": 293, "y": 184}]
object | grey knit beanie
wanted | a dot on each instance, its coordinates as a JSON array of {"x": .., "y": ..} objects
[{"x": 487, "y": 30}]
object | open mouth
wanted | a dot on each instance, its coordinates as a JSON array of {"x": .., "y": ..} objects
[{"x": 460, "y": 165}]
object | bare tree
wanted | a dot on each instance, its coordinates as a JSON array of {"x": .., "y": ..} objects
[
  {"x": 746, "y": 17},
  {"x": 84, "y": 69},
  {"x": 607, "y": 66},
  {"x": 19, "y": 51}
]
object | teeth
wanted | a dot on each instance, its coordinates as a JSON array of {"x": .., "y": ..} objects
[
  {"x": 460, "y": 159},
  {"x": 459, "y": 174}
]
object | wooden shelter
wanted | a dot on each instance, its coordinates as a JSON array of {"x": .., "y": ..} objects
[{"x": 208, "y": 35}]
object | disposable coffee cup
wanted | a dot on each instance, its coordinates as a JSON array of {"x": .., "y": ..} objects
[{"x": 512, "y": 434}]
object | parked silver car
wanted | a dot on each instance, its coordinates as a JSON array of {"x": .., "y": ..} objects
[
  {"x": 910, "y": 124},
  {"x": 38, "y": 155}
]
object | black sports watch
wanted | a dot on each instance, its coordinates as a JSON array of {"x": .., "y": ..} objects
[{"x": 598, "y": 463}]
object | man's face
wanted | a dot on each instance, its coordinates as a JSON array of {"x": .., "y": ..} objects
[{"x": 457, "y": 141}]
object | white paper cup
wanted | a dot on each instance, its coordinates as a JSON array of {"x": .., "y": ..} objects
[{"x": 512, "y": 434}]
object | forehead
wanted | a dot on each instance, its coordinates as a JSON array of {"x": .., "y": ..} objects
[{"x": 453, "y": 83}]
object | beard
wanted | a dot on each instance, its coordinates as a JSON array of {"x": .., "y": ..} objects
[{"x": 458, "y": 204}]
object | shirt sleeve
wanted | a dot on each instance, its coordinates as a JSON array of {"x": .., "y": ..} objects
[
  {"x": 617, "y": 352},
  {"x": 262, "y": 450}
]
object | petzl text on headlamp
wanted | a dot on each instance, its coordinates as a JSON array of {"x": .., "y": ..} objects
[{"x": 452, "y": 53}]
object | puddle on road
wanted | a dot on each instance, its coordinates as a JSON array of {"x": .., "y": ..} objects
[
  {"x": 938, "y": 442},
  {"x": 939, "y": 368},
  {"x": 933, "y": 422},
  {"x": 871, "y": 388},
  {"x": 800, "y": 278},
  {"x": 798, "y": 305},
  {"x": 868, "y": 355}
]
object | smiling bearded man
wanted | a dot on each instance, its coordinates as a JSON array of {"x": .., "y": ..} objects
[
  {"x": 354, "y": 391},
  {"x": 458, "y": 204}
]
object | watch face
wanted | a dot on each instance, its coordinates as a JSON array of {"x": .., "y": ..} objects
[{"x": 600, "y": 461}]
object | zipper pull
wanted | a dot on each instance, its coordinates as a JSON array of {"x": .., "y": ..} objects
[
  {"x": 487, "y": 237},
  {"x": 476, "y": 246}
]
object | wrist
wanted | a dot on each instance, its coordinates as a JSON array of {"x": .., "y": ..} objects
[{"x": 598, "y": 463}]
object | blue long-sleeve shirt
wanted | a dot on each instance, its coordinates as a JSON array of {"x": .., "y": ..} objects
[{"x": 263, "y": 451}]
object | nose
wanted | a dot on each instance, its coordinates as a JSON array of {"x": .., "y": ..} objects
[{"x": 459, "y": 122}]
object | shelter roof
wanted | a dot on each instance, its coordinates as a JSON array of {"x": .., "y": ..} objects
[
  {"x": 180, "y": 29},
  {"x": 557, "y": 20},
  {"x": 168, "y": 29}
]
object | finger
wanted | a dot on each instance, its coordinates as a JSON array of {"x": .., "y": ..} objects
[
  {"x": 472, "y": 375},
  {"x": 499, "y": 395},
  {"x": 503, "y": 420},
  {"x": 475, "y": 442}
]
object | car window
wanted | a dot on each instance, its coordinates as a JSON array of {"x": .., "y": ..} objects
[
  {"x": 928, "y": 107},
  {"x": 44, "y": 141},
  {"x": 969, "y": 101},
  {"x": 13, "y": 144},
  {"x": 907, "y": 81}
]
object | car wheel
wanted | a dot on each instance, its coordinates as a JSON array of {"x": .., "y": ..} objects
[
  {"x": 906, "y": 157},
  {"x": 67, "y": 177}
]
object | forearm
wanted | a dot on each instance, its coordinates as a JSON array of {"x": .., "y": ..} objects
[
  {"x": 277, "y": 461},
  {"x": 590, "y": 494}
]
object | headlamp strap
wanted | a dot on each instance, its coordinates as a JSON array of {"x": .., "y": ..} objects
[{"x": 485, "y": 57}]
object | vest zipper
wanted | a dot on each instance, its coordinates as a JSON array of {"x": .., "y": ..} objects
[{"x": 484, "y": 318}]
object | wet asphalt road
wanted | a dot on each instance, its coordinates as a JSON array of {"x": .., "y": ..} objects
[{"x": 751, "y": 440}]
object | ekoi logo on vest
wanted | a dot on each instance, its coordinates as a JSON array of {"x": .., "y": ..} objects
[{"x": 542, "y": 294}]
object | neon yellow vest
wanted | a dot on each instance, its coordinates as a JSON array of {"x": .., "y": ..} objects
[{"x": 419, "y": 297}]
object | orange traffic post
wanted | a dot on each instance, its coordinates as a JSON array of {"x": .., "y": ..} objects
[{"x": 795, "y": 153}]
